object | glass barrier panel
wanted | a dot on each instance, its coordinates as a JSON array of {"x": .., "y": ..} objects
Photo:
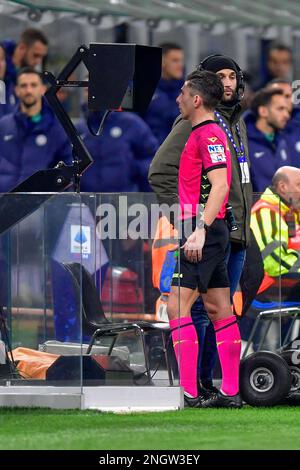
[
  {"x": 129, "y": 295},
  {"x": 41, "y": 310},
  {"x": 260, "y": 285},
  {"x": 270, "y": 291},
  {"x": 271, "y": 320},
  {"x": 87, "y": 278}
]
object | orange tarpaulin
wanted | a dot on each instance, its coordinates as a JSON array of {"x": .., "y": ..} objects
[{"x": 33, "y": 364}]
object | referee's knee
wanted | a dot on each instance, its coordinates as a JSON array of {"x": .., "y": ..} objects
[{"x": 217, "y": 311}]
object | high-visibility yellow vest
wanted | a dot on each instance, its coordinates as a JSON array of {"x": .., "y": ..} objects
[{"x": 280, "y": 252}]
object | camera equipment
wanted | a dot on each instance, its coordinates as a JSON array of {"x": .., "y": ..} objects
[{"x": 230, "y": 218}]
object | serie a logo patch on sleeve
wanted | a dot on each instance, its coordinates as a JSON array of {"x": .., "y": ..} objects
[{"x": 217, "y": 153}]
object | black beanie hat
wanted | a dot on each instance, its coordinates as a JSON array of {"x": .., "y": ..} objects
[{"x": 214, "y": 64}]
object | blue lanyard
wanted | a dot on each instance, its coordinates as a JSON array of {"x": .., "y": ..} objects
[{"x": 240, "y": 152}]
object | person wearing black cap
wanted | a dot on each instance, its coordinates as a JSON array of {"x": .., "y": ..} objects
[{"x": 163, "y": 178}]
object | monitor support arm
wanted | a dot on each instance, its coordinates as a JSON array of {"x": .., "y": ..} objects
[{"x": 81, "y": 156}]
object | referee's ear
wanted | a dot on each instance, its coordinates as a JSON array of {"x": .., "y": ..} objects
[{"x": 198, "y": 101}]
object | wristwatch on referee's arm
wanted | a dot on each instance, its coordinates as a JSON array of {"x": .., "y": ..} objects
[{"x": 202, "y": 224}]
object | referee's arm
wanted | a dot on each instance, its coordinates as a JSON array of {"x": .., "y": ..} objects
[{"x": 219, "y": 188}]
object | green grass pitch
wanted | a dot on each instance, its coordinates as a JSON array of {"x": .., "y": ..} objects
[{"x": 249, "y": 428}]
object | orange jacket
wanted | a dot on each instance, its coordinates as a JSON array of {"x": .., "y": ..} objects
[{"x": 165, "y": 239}]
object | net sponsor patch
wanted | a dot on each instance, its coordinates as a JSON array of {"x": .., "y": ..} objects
[{"x": 217, "y": 153}]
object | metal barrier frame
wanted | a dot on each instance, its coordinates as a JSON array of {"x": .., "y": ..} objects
[{"x": 271, "y": 315}]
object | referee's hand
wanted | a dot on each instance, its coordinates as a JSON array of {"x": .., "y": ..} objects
[{"x": 193, "y": 246}]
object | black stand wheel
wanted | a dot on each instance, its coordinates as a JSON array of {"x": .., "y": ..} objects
[
  {"x": 292, "y": 358},
  {"x": 265, "y": 379}
]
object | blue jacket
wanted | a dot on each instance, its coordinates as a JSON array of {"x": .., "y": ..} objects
[
  {"x": 265, "y": 157},
  {"x": 122, "y": 154},
  {"x": 291, "y": 134},
  {"x": 9, "y": 79},
  {"x": 11, "y": 71},
  {"x": 26, "y": 147},
  {"x": 163, "y": 108},
  {"x": 11, "y": 101}
]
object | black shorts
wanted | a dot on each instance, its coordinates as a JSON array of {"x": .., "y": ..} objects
[{"x": 211, "y": 271}]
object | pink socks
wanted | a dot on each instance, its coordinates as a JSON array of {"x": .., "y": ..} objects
[
  {"x": 185, "y": 343},
  {"x": 229, "y": 348}
]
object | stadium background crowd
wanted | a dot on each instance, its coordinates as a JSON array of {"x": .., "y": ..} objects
[
  {"x": 276, "y": 142},
  {"x": 121, "y": 156}
]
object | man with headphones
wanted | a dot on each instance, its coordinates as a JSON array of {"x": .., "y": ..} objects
[{"x": 163, "y": 178}]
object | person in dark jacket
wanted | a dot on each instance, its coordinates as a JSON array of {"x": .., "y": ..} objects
[
  {"x": 163, "y": 178},
  {"x": 7, "y": 98},
  {"x": 31, "y": 138},
  {"x": 291, "y": 132},
  {"x": 268, "y": 149},
  {"x": 30, "y": 51},
  {"x": 122, "y": 154},
  {"x": 163, "y": 109},
  {"x": 278, "y": 63}
]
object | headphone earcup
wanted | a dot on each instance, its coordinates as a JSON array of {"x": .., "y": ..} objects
[{"x": 241, "y": 85}]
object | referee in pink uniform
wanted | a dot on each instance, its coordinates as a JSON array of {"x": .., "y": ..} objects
[{"x": 204, "y": 182}]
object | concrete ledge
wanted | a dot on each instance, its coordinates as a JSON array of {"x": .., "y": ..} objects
[
  {"x": 132, "y": 398},
  {"x": 106, "y": 398},
  {"x": 55, "y": 400}
]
